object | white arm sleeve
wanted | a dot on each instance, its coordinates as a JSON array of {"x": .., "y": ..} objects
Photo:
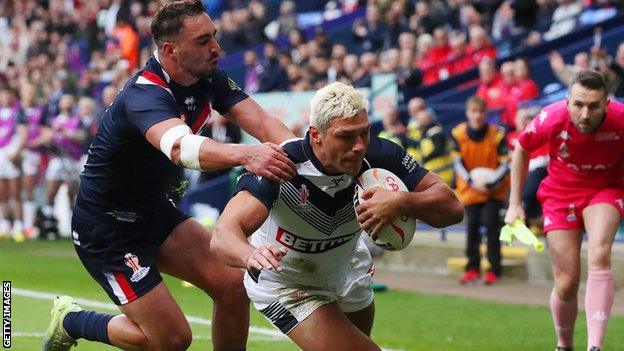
[
  {"x": 170, "y": 137},
  {"x": 189, "y": 151}
]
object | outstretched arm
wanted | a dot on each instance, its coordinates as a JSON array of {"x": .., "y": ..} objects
[
  {"x": 174, "y": 139},
  {"x": 242, "y": 216}
]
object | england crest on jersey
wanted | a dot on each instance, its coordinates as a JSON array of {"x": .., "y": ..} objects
[{"x": 304, "y": 195}]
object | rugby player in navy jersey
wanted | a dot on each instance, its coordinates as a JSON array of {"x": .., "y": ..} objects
[
  {"x": 126, "y": 231},
  {"x": 308, "y": 270}
]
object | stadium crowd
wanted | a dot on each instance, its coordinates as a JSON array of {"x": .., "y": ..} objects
[{"x": 64, "y": 61}]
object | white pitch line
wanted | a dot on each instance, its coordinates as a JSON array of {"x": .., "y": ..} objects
[
  {"x": 195, "y": 337},
  {"x": 109, "y": 306},
  {"x": 270, "y": 333}
]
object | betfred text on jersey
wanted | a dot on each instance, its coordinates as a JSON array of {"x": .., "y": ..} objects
[{"x": 310, "y": 246}]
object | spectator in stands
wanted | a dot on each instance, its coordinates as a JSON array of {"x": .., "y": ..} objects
[
  {"x": 564, "y": 18},
  {"x": 393, "y": 129},
  {"x": 253, "y": 69},
  {"x": 273, "y": 77},
  {"x": 505, "y": 88},
  {"x": 617, "y": 72},
  {"x": 127, "y": 40},
  {"x": 295, "y": 39},
  {"x": 525, "y": 87},
  {"x": 368, "y": 66},
  {"x": 414, "y": 106},
  {"x": 407, "y": 41},
  {"x": 480, "y": 45},
  {"x": 422, "y": 21},
  {"x": 389, "y": 61},
  {"x": 564, "y": 72},
  {"x": 480, "y": 144},
  {"x": 490, "y": 87},
  {"x": 372, "y": 32},
  {"x": 397, "y": 23},
  {"x": 351, "y": 66},
  {"x": 424, "y": 61},
  {"x": 429, "y": 145},
  {"x": 287, "y": 19},
  {"x": 440, "y": 51},
  {"x": 457, "y": 60},
  {"x": 503, "y": 25}
]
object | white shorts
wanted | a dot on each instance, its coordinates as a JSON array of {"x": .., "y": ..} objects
[
  {"x": 8, "y": 169},
  {"x": 30, "y": 162},
  {"x": 63, "y": 168},
  {"x": 285, "y": 306}
]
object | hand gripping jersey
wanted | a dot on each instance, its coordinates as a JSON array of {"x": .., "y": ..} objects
[
  {"x": 125, "y": 178},
  {"x": 312, "y": 215},
  {"x": 578, "y": 161}
]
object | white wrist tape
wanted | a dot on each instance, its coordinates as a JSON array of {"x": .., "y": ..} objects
[
  {"x": 189, "y": 151},
  {"x": 170, "y": 137}
]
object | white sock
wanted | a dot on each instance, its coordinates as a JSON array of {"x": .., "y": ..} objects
[
  {"x": 5, "y": 226},
  {"x": 18, "y": 227},
  {"x": 29, "y": 214}
]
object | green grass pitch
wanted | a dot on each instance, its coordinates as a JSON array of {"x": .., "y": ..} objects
[{"x": 404, "y": 320}]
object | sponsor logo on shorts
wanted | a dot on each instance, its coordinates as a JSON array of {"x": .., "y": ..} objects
[
  {"x": 311, "y": 246},
  {"x": 122, "y": 216},
  {"x": 132, "y": 261},
  {"x": 547, "y": 221},
  {"x": 620, "y": 202}
]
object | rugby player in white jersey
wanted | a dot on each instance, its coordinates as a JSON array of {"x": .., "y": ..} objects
[{"x": 308, "y": 270}]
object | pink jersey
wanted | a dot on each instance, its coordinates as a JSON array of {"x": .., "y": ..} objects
[{"x": 577, "y": 161}]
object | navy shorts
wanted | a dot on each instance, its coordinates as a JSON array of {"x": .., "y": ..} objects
[{"x": 121, "y": 257}]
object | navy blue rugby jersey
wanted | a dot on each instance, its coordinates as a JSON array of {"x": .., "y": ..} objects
[{"x": 125, "y": 175}]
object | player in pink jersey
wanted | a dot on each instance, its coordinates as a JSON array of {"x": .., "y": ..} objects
[{"x": 583, "y": 191}]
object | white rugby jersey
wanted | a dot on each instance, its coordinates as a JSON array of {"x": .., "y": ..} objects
[{"x": 312, "y": 215}]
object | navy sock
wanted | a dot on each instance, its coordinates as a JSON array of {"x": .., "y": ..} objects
[{"x": 88, "y": 325}]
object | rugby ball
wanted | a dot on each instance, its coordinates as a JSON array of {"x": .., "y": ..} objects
[
  {"x": 482, "y": 175},
  {"x": 398, "y": 234}
]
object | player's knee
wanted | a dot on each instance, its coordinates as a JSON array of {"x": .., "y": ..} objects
[
  {"x": 567, "y": 290},
  {"x": 178, "y": 340},
  {"x": 231, "y": 292},
  {"x": 599, "y": 259}
]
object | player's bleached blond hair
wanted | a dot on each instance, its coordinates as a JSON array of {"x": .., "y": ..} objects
[{"x": 336, "y": 100}]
